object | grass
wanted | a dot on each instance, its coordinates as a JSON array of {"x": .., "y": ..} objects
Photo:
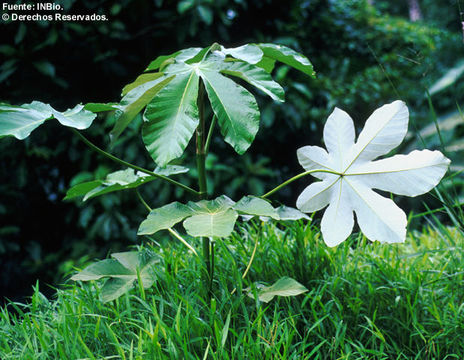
[{"x": 365, "y": 301}]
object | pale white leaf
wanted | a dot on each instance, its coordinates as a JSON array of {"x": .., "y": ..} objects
[
  {"x": 411, "y": 175},
  {"x": 379, "y": 218},
  {"x": 314, "y": 158},
  {"x": 385, "y": 129},
  {"x": 338, "y": 137},
  {"x": 350, "y": 175},
  {"x": 316, "y": 196},
  {"x": 338, "y": 221}
]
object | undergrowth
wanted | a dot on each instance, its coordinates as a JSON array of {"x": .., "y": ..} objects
[{"x": 365, "y": 301}]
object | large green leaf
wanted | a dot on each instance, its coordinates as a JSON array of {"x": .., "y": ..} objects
[
  {"x": 163, "y": 218},
  {"x": 283, "y": 287},
  {"x": 119, "y": 180},
  {"x": 20, "y": 121},
  {"x": 288, "y": 56},
  {"x": 121, "y": 272},
  {"x": 172, "y": 117},
  {"x": 214, "y": 218},
  {"x": 235, "y": 108},
  {"x": 252, "y": 205},
  {"x": 136, "y": 99},
  {"x": 255, "y": 76}
]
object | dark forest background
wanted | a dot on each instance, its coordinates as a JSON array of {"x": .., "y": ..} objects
[{"x": 365, "y": 53}]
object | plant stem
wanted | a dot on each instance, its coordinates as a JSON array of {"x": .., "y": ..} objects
[
  {"x": 132, "y": 166},
  {"x": 296, "y": 177},
  {"x": 203, "y": 194}
]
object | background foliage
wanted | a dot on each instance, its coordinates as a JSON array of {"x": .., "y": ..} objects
[{"x": 364, "y": 56}]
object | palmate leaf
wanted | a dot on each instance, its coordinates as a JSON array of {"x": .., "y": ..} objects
[
  {"x": 171, "y": 119},
  {"x": 172, "y": 115},
  {"x": 121, "y": 272},
  {"x": 354, "y": 172},
  {"x": 20, "y": 121},
  {"x": 119, "y": 180}
]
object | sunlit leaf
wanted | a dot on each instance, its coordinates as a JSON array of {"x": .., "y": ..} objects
[{"x": 20, "y": 121}]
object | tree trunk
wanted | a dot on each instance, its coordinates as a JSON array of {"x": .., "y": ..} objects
[{"x": 414, "y": 10}]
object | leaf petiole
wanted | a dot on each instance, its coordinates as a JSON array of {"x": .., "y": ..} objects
[
  {"x": 210, "y": 133},
  {"x": 132, "y": 166},
  {"x": 296, "y": 177}
]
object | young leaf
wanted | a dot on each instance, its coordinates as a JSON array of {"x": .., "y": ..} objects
[
  {"x": 119, "y": 180},
  {"x": 20, "y": 121},
  {"x": 213, "y": 218},
  {"x": 163, "y": 218},
  {"x": 283, "y": 287},
  {"x": 101, "y": 269},
  {"x": 288, "y": 56},
  {"x": 252, "y": 205},
  {"x": 115, "y": 287},
  {"x": 172, "y": 116},
  {"x": 121, "y": 272},
  {"x": 289, "y": 213},
  {"x": 235, "y": 108},
  {"x": 348, "y": 188}
]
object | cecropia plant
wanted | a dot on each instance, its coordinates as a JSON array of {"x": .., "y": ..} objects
[{"x": 349, "y": 174}]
